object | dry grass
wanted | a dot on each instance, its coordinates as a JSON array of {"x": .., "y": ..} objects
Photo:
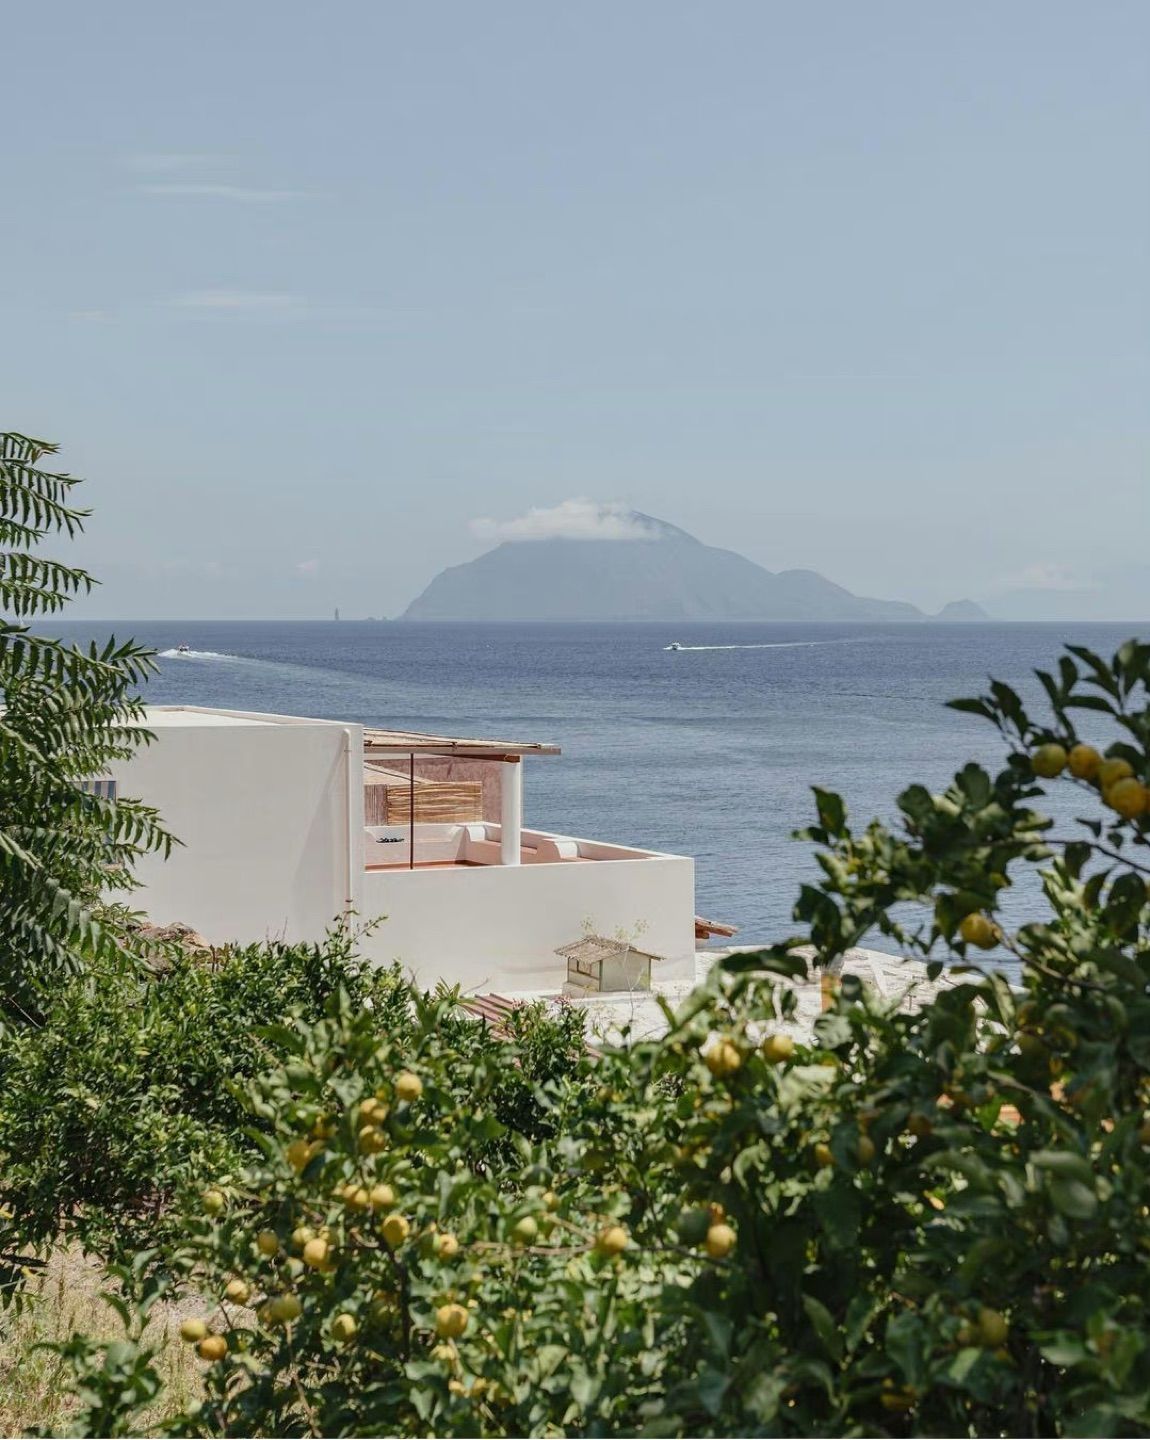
[{"x": 63, "y": 1300}]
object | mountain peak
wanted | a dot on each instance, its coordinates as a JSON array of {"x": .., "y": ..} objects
[{"x": 587, "y": 561}]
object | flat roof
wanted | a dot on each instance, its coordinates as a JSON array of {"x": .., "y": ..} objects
[
  {"x": 413, "y": 742},
  {"x": 162, "y": 717},
  {"x": 377, "y": 743}
]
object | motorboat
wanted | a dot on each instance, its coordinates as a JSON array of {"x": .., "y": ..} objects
[
  {"x": 674, "y": 645},
  {"x": 183, "y": 649}
]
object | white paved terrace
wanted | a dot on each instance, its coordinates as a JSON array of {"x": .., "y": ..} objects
[{"x": 638, "y": 1012}]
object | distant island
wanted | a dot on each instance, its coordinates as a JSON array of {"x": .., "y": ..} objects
[{"x": 658, "y": 572}]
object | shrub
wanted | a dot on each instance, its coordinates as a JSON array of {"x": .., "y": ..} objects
[{"x": 127, "y": 1088}]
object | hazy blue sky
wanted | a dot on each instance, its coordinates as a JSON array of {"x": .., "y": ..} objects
[{"x": 305, "y": 289}]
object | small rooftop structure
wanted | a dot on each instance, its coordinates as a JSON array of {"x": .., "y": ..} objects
[{"x": 596, "y": 964}]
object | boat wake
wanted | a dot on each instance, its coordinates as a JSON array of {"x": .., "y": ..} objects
[
  {"x": 765, "y": 645},
  {"x": 175, "y": 654}
]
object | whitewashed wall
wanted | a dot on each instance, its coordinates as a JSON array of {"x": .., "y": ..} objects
[
  {"x": 493, "y": 928},
  {"x": 263, "y": 813}
]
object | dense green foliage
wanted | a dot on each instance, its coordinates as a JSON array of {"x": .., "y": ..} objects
[
  {"x": 68, "y": 714},
  {"x": 931, "y": 1220},
  {"x": 126, "y": 1089}
]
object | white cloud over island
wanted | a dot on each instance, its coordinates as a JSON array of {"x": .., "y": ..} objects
[{"x": 577, "y": 519}]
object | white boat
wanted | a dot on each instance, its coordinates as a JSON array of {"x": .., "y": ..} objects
[
  {"x": 674, "y": 645},
  {"x": 183, "y": 649}
]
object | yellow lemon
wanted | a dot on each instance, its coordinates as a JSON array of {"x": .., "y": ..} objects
[
  {"x": 284, "y": 1309},
  {"x": 612, "y": 1241},
  {"x": 268, "y": 1243},
  {"x": 357, "y": 1197},
  {"x": 993, "y": 1330},
  {"x": 316, "y": 1253},
  {"x": 722, "y": 1058},
  {"x": 451, "y": 1321},
  {"x": 823, "y": 1156},
  {"x": 343, "y": 1328},
  {"x": 777, "y": 1049},
  {"x": 396, "y": 1229},
  {"x": 1084, "y": 762},
  {"x": 1110, "y": 771},
  {"x": 408, "y": 1086},
  {"x": 720, "y": 1241},
  {"x": 213, "y": 1201},
  {"x": 193, "y": 1330},
  {"x": 371, "y": 1140},
  {"x": 299, "y": 1152},
  {"x": 978, "y": 930},
  {"x": 381, "y": 1197},
  {"x": 213, "y": 1347},
  {"x": 525, "y": 1231},
  {"x": 1048, "y": 761},
  {"x": 238, "y": 1292},
  {"x": 446, "y": 1246},
  {"x": 1128, "y": 797}
]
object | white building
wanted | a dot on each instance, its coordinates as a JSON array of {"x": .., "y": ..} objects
[{"x": 269, "y": 810}]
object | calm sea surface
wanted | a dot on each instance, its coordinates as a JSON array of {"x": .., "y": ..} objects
[{"x": 709, "y": 751}]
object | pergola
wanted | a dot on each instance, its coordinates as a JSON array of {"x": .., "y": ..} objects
[{"x": 409, "y": 744}]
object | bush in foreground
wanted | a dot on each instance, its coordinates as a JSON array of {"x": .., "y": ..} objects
[{"x": 931, "y": 1222}]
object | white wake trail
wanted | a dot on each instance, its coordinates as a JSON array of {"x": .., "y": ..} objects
[{"x": 766, "y": 645}]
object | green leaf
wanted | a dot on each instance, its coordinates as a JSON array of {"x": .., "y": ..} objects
[
  {"x": 832, "y": 811},
  {"x": 774, "y": 960},
  {"x": 1064, "y": 1163},
  {"x": 1074, "y": 1199},
  {"x": 839, "y": 1209},
  {"x": 720, "y": 1329},
  {"x": 1089, "y": 702},
  {"x": 1065, "y": 1351},
  {"x": 712, "y": 1387},
  {"x": 972, "y": 706},
  {"x": 962, "y": 1364},
  {"x": 825, "y": 1327}
]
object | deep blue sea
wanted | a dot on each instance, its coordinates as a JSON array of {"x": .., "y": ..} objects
[{"x": 709, "y": 751}]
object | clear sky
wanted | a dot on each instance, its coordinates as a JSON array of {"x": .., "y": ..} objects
[{"x": 304, "y": 289}]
